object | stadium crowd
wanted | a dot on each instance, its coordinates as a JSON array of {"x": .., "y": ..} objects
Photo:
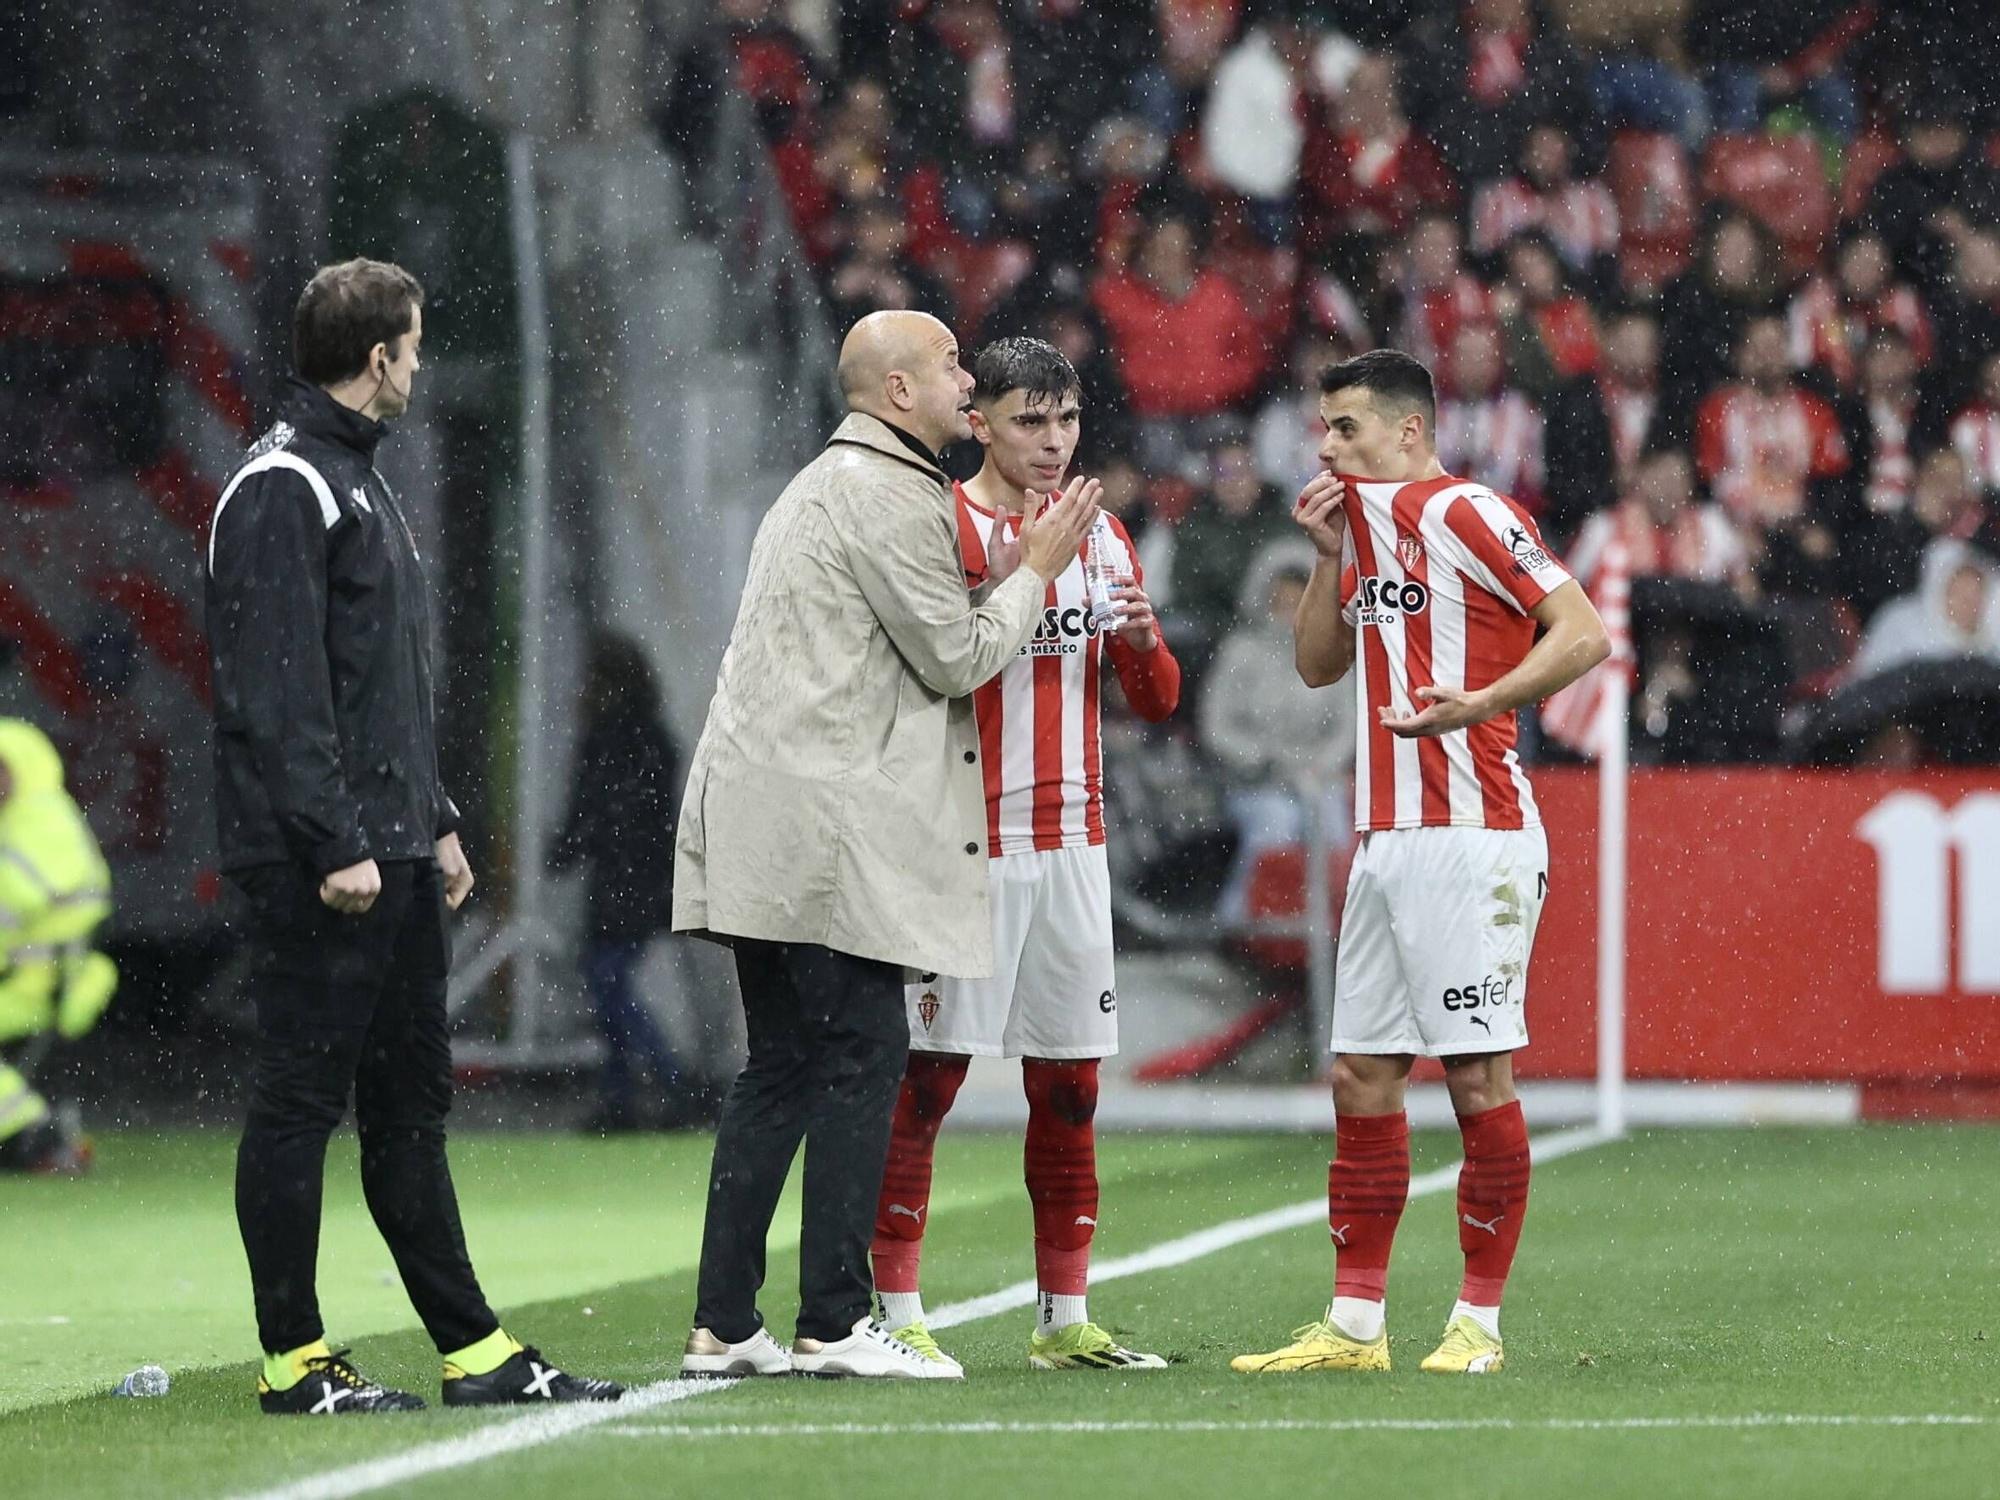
[{"x": 1711, "y": 286}]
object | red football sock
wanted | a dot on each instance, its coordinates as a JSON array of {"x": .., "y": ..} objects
[
  {"x": 1060, "y": 1161},
  {"x": 1492, "y": 1199},
  {"x": 1367, "y": 1184},
  {"x": 930, "y": 1083}
]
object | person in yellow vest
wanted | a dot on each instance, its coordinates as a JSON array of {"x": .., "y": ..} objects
[{"x": 55, "y": 892}]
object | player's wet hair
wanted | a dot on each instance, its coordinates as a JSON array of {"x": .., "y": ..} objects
[
  {"x": 1392, "y": 377},
  {"x": 345, "y": 311},
  {"x": 1023, "y": 364}
]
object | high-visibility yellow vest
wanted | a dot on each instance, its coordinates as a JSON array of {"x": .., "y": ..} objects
[{"x": 55, "y": 890}]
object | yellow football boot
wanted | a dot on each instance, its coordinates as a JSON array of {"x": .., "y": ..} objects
[
  {"x": 1467, "y": 1349},
  {"x": 1317, "y": 1346},
  {"x": 1085, "y": 1346}
]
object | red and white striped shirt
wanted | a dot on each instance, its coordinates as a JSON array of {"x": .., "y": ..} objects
[
  {"x": 1431, "y": 319},
  {"x": 1700, "y": 543},
  {"x": 1585, "y": 715},
  {"x": 1498, "y": 441},
  {"x": 1038, "y": 719},
  {"x": 1829, "y": 331},
  {"x": 1628, "y": 410},
  {"x": 1439, "y": 580},
  {"x": 1975, "y": 433},
  {"x": 1892, "y": 472},
  {"x": 1580, "y": 216},
  {"x": 1758, "y": 452}
]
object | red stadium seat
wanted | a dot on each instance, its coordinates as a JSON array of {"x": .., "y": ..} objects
[
  {"x": 1654, "y": 189},
  {"x": 1779, "y": 180}
]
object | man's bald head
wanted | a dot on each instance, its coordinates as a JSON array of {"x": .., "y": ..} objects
[
  {"x": 883, "y": 342},
  {"x": 903, "y": 368}
]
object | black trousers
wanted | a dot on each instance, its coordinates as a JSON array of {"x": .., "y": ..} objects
[
  {"x": 829, "y": 1037},
  {"x": 351, "y": 1003}
]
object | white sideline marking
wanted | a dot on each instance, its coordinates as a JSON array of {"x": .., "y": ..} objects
[
  {"x": 547, "y": 1426},
  {"x": 1747, "y": 1421},
  {"x": 488, "y": 1442}
]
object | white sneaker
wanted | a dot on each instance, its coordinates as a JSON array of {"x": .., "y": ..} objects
[
  {"x": 869, "y": 1350},
  {"x": 760, "y": 1354}
]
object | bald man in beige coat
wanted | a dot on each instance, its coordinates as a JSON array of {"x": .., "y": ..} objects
[{"x": 833, "y": 831}]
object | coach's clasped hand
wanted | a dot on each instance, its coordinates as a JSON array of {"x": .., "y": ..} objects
[{"x": 353, "y": 890}]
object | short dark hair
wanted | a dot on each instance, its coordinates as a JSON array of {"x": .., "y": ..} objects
[
  {"x": 1387, "y": 374},
  {"x": 1023, "y": 364},
  {"x": 345, "y": 311}
]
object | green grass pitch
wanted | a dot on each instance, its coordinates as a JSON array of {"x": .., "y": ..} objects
[{"x": 1682, "y": 1299}]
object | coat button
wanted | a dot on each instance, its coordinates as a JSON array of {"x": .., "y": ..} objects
[
  {"x": 971, "y": 848},
  {"x": 970, "y": 757}
]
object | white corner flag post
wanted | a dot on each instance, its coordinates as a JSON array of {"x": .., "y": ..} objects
[{"x": 1611, "y": 733}]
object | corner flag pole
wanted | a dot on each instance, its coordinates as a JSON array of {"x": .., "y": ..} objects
[{"x": 1613, "y": 727}]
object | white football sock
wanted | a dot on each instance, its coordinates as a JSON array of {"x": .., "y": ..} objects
[
  {"x": 901, "y": 1309},
  {"x": 1057, "y": 1311},
  {"x": 1360, "y": 1318},
  {"x": 1488, "y": 1318}
]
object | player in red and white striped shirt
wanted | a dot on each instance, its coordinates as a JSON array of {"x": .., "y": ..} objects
[
  {"x": 1432, "y": 591},
  {"x": 1577, "y": 213},
  {"x": 1052, "y": 1001},
  {"x": 1975, "y": 431}
]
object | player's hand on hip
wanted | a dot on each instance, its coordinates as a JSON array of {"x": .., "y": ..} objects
[
  {"x": 1321, "y": 515},
  {"x": 1138, "y": 627},
  {"x": 1449, "y": 709},
  {"x": 353, "y": 890},
  {"x": 1052, "y": 530},
  {"x": 457, "y": 871}
]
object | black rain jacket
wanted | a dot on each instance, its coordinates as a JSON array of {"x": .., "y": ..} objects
[{"x": 319, "y": 637}]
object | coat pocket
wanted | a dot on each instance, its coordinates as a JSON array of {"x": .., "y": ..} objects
[{"x": 917, "y": 737}]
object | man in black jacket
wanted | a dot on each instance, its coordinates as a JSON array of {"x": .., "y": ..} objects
[{"x": 336, "y": 832}]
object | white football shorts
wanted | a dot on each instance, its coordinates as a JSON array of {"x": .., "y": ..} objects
[
  {"x": 1435, "y": 940},
  {"x": 1053, "y": 992}
]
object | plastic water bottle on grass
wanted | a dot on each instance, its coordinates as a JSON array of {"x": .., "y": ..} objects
[{"x": 147, "y": 1380}]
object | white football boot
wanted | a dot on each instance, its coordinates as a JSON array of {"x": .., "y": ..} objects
[
  {"x": 709, "y": 1357},
  {"x": 870, "y": 1350}
]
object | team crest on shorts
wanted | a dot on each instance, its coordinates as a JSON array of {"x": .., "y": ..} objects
[
  {"x": 1409, "y": 550},
  {"x": 927, "y": 1008}
]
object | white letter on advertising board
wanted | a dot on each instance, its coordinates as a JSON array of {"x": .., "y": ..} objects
[{"x": 1914, "y": 839}]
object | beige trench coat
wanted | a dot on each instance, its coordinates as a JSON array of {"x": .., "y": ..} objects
[{"x": 836, "y": 796}]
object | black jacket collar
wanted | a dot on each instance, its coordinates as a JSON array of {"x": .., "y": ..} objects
[
  {"x": 913, "y": 445},
  {"x": 312, "y": 411}
]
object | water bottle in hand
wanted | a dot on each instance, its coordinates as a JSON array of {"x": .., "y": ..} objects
[
  {"x": 1102, "y": 574},
  {"x": 147, "y": 1380}
]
